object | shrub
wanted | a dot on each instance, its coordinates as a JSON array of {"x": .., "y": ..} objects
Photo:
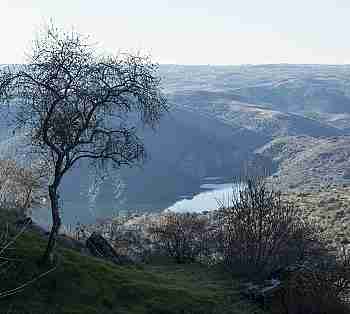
[
  {"x": 22, "y": 188},
  {"x": 317, "y": 288},
  {"x": 261, "y": 233},
  {"x": 182, "y": 236}
]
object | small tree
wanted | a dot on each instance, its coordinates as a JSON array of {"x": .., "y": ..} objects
[
  {"x": 22, "y": 188},
  {"x": 182, "y": 236},
  {"x": 75, "y": 104},
  {"x": 262, "y": 233},
  {"x": 321, "y": 287}
]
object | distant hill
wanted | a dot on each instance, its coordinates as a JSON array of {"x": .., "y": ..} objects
[
  {"x": 306, "y": 162},
  {"x": 338, "y": 120},
  {"x": 329, "y": 206},
  {"x": 284, "y": 87},
  {"x": 256, "y": 118},
  {"x": 221, "y": 118}
]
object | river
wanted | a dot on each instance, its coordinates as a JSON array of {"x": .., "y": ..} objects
[
  {"x": 210, "y": 194},
  {"x": 213, "y": 194}
]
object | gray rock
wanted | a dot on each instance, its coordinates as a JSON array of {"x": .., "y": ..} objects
[
  {"x": 99, "y": 247},
  {"x": 261, "y": 293}
]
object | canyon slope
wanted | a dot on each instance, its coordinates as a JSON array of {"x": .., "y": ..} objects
[{"x": 291, "y": 119}]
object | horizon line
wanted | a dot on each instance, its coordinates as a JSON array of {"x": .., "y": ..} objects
[
  {"x": 256, "y": 64},
  {"x": 230, "y": 64}
]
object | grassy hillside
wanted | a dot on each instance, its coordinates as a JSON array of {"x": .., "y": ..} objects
[{"x": 83, "y": 284}]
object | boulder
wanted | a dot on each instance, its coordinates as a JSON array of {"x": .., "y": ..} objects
[
  {"x": 98, "y": 246},
  {"x": 24, "y": 222},
  {"x": 73, "y": 244},
  {"x": 261, "y": 293}
]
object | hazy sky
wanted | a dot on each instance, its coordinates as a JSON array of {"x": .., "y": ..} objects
[{"x": 191, "y": 31}]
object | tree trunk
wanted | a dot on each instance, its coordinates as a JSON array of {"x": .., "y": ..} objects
[{"x": 56, "y": 223}]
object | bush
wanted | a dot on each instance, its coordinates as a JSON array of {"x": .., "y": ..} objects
[
  {"x": 261, "y": 233},
  {"x": 317, "y": 288},
  {"x": 182, "y": 236},
  {"x": 22, "y": 188}
]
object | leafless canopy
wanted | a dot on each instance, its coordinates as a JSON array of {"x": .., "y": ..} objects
[
  {"x": 261, "y": 232},
  {"x": 75, "y": 104},
  {"x": 21, "y": 188},
  {"x": 182, "y": 236}
]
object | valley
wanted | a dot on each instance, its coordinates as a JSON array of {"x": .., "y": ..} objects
[{"x": 290, "y": 119}]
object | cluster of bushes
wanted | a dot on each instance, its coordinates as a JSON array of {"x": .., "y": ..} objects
[
  {"x": 256, "y": 236},
  {"x": 316, "y": 288}
]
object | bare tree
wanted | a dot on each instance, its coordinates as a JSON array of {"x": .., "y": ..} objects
[
  {"x": 262, "y": 233},
  {"x": 182, "y": 236},
  {"x": 321, "y": 287},
  {"x": 22, "y": 188},
  {"x": 75, "y": 104}
]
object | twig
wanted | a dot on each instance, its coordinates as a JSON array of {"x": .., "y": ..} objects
[
  {"x": 21, "y": 287},
  {"x": 14, "y": 238}
]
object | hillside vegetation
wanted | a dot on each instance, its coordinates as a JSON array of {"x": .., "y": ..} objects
[
  {"x": 86, "y": 285},
  {"x": 329, "y": 206},
  {"x": 260, "y": 248},
  {"x": 290, "y": 119},
  {"x": 309, "y": 163}
]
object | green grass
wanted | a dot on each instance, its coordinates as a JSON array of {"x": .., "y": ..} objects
[{"x": 84, "y": 285}]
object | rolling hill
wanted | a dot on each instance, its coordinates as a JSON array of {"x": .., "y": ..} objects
[{"x": 221, "y": 118}]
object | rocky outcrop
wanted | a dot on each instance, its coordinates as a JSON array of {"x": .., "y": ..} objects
[
  {"x": 261, "y": 293},
  {"x": 98, "y": 246}
]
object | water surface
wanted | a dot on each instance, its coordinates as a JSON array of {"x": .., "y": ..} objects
[{"x": 211, "y": 197}]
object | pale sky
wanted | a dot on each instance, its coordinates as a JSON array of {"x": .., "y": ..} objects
[{"x": 191, "y": 31}]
